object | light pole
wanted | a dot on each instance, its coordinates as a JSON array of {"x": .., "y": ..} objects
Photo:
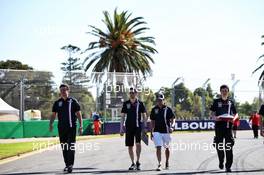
[
  {"x": 203, "y": 98},
  {"x": 260, "y": 84},
  {"x": 233, "y": 89},
  {"x": 173, "y": 92},
  {"x": 22, "y": 99}
]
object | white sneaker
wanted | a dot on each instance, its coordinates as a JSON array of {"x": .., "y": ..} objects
[{"x": 159, "y": 168}]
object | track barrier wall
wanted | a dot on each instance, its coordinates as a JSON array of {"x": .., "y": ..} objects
[{"x": 27, "y": 129}]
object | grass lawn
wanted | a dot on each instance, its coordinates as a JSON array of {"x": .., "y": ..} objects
[{"x": 15, "y": 149}]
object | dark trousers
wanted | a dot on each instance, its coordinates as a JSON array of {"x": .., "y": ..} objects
[
  {"x": 67, "y": 141},
  {"x": 255, "y": 129},
  {"x": 223, "y": 131}
]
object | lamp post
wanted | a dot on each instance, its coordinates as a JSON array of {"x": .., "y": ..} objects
[
  {"x": 233, "y": 89},
  {"x": 22, "y": 99},
  {"x": 173, "y": 91},
  {"x": 203, "y": 98}
]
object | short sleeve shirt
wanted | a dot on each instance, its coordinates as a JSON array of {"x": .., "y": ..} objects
[
  {"x": 221, "y": 107},
  {"x": 162, "y": 117},
  {"x": 66, "y": 111},
  {"x": 133, "y": 112}
]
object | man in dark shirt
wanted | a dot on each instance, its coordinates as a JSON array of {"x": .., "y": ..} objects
[
  {"x": 67, "y": 109},
  {"x": 162, "y": 120},
  {"x": 224, "y": 110},
  {"x": 133, "y": 109},
  {"x": 261, "y": 113}
]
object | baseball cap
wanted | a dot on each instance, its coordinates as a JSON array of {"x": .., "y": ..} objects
[
  {"x": 132, "y": 89},
  {"x": 160, "y": 96}
]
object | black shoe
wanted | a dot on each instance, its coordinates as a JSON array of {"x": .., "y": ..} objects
[
  {"x": 137, "y": 166},
  {"x": 65, "y": 169},
  {"x": 228, "y": 170},
  {"x": 167, "y": 165},
  {"x": 132, "y": 167},
  {"x": 69, "y": 169},
  {"x": 221, "y": 166},
  {"x": 159, "y": 168}
]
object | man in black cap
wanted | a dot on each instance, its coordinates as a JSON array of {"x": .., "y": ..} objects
[
  {"x": 162, "y": 121},
  {"x": 67, "y": 109},
  {"x": 133, "y": 109},
  {"x": 224, "y": 110}
]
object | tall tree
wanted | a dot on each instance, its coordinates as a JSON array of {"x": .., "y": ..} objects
[
  {"x": 121, "y": 47},
  {"x": 183, "y": 97},
  {"x": 73, "y": 64}
]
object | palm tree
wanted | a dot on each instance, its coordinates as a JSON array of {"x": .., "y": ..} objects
[
  {"x": 121, "y": 48},
  {"x": 261, "y": 77}
]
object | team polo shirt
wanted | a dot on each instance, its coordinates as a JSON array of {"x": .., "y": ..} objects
[
  {"x": 133, "y": 112},
  {"x": 255, "y": 119},
  {"x": 221, "y": 107},
  {"x": 162, "y": 117},
  {"x": 66, "y": 111}
]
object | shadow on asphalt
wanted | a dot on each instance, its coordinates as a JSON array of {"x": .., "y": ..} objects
[
  {"x": 81, "y": 171},
  {"x": 94, "y": 171},
  {"x": 215, "y": 172}
]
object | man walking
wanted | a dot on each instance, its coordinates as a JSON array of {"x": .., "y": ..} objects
[
  {"x": 255, "y": 122},
  {"x": 133, "y": 109},
  {"x": 67, "y": 109},
  {"x": 224, "y": 110},
  {"x": 162, "y": 120}
]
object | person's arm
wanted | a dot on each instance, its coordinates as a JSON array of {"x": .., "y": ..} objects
[
  {"x": 250, "y": 118},
  {"x": 79, "y": 116},
  {"x": 172, "y": 121},
  {"x": 152, "y": 126},
  {"x": 261, "y": 125},
  {"x": 152, "y": 123},
  {"x": 52, "y": 118},
  {"x": 145, "y": 122},
  {"x": 122, "y": 121}
]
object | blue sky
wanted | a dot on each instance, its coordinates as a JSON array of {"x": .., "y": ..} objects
[{"x": 196, "y": 39}]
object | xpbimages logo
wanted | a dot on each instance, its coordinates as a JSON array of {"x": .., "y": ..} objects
[{"x": 120, "y": 88}]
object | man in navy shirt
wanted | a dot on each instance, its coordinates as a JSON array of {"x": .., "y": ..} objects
[
  {"x": 135, "y": 122},
  {"x": 162, "y": 121},
  {"x": 224, "y": 110},
  {"x": 67, "y": 109}
]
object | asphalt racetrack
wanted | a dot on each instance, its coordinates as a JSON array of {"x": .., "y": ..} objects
[{"x": 191, "y": 153}]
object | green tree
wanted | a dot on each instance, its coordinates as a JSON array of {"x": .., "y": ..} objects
[
  {"x": 149, "y": 100},
  {"x": 245, "y": 109},
  {"x": 14, "y": 64},
  {"x": 121, "y": 47},
  {"x": 71, "y": 65},
  {"x": 183, "y": 97}
]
